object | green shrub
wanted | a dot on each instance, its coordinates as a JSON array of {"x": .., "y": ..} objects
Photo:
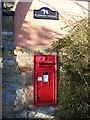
[
  {"x": 75, "y": 89},
  {"x": 73, "y": 102}
]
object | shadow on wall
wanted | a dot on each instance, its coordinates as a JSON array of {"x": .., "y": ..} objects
[
  {"x": 20, "y": 16},
  {"x": 35, "y": 37}
]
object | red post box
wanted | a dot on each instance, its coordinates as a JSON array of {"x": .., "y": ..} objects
[{"x": 45, "y": 80}]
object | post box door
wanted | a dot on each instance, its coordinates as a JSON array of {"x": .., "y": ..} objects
[
  {"x": 45, "y": 80},
  {"x": 45, "y": 87}
]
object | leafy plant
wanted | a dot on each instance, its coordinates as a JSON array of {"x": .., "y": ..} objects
[{"x": 74, "y": 49}]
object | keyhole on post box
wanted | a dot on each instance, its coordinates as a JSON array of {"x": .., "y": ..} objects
[{"x": 45, "y": 77}]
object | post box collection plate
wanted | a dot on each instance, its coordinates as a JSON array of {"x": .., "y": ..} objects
[{"x": 45, "y": 80}]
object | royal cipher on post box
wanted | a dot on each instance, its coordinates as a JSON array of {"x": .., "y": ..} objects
[{"x": 45, "y": 80}]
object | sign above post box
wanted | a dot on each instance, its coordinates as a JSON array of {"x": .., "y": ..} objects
[
  {"x": 46, "y": 13},
  {"x": 45, "y": 80}
]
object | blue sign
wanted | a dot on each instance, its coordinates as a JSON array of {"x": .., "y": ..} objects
[{"x": 46, "y": 13}]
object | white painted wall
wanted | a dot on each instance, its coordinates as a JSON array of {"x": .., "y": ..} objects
[{"x": 38, "y": 33}]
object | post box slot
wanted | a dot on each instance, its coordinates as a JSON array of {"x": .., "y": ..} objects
[{"x": 45, "y": 64}]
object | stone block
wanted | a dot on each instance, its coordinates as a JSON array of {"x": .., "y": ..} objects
[
  {"x": 9, "y": 63},
  {"x": 24, "y": 56}
]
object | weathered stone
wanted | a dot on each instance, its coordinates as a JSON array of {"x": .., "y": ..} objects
[
  {"x": 9, "y": 63},
  {"x": 31, "y": 114},
  {"x": 19, "y": 92},
  {"x": 23, "y": 79},
  {"x": 8, "y": 70},
  {"x": 10, "y": 115},
  {"x": 25, "y": 69},
  {"x": 29, "y": 92},
  {"x": 7, "y": 102},
  {"x": 24, "y": 58},
  {"x": 7, "y": 33},
  {"x": 20, "y": 99},
  {"x": 18, "y": 105},
  {"x": 9, "y": 85},
  {"x": 29, "y": 79},
  {"x": 6, "y": 110},
  {"x": 41, "y": 115},
  {"x": 1, "y": 62},
  {"x": 21, "y": 114},
  {"x": 32, "y": 107},
  {"x": 46, "y": 110},
  {"x": 7, "y": 44},
  {"x": 25, "y": 113},
  {"x": 26, "y": 79}
]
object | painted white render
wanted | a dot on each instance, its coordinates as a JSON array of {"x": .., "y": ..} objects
[{"x": 39, "y": 33}]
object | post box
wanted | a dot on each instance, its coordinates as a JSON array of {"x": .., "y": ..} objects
[{"x": 45, "y": 80}]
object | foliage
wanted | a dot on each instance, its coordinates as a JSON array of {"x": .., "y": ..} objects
[
  {"x": 73, "y": 102},
  {"x": 73, "y": 92}
]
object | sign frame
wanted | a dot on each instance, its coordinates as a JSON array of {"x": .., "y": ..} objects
[{"x": 45, "y": 13}]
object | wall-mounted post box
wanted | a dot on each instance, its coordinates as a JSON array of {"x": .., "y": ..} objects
[{"x": 45, "y": 80}]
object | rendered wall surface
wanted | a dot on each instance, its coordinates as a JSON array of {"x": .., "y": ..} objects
[{"x": 38, "y": 33}]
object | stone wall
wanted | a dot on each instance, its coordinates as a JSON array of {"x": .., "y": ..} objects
[{"x": 17, "y": 88}]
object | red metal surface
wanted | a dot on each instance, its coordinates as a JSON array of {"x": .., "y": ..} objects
[{"x": 45, "y": 80}]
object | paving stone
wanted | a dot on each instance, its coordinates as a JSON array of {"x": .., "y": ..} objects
[
  {"x": 25, "y": 113},
  {"x": 31, "y": 114},
  {"x": 49, "y": 110},
  {"x": 41, "y": 115}
]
